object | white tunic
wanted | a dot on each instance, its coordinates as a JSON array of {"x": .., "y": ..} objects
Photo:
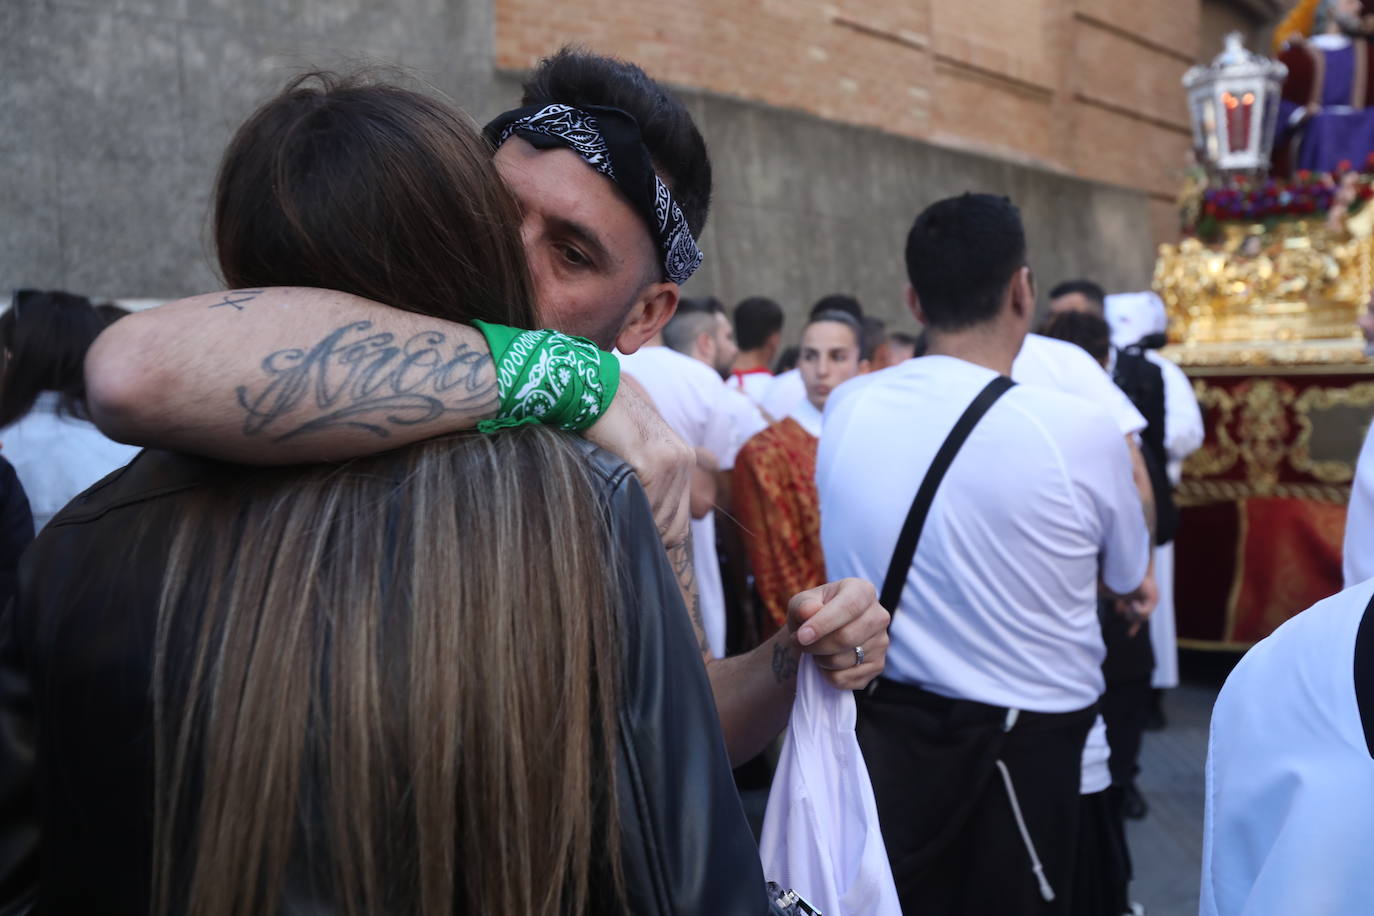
[
  {"x": 57, "y": 457},
  {"x": 1289, "y": 825}
]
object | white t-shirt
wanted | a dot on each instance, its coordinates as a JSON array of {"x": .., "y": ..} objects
[
  {"x": 1067, "y": 367},
  {"x": 694, "y": 401},
  {"x": 754, "y": 384},
  {"x": 784, "y": 394},
  {"x": 1359, "y": 522},
  {"x": 748, "y": 420},
  {"x": 1289, "y": 820},
  {"x": 1001, "y": 601},
  {"x": 58, "y": 457},
  {"x": 691, "y": 398},
  {"x": 1096, "y": 773}
]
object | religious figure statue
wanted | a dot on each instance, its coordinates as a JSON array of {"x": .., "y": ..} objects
[{"x": 1326, "y": 115}]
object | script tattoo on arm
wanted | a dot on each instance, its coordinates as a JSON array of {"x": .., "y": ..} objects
[
  {"x": 367, "y": 380},
  {"x": 785, "y": 662},
  {"x": 237, "y": 297},
  {"x": 681, "y": 557}
]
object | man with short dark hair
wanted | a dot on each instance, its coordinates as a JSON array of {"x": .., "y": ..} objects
[
  {"x": 975, "y": 737},
  {"x": 758, "y": 331},
  {"x": 606, "y": 262},
  {"x": 1078, "y": 296}
]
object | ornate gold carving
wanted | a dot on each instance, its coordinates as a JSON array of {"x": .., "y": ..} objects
[
  {"x": 1204, "y": 492},
  {"x": 1360, "y": 394},
  {"x": 1220, "y": 456},
  {"x": 1296, "y": 281},
  {"x": 1348, "y": 354},
  {"x": 1267, "y": 415}
]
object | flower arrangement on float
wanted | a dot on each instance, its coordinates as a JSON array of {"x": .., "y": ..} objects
[{"x": 1330, "y": 197}]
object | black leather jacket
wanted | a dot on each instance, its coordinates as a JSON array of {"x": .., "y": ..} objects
[{"x": 76, "y": 720}]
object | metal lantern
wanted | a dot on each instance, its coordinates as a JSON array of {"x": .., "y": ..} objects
[{"x": 1234, "y": 105}]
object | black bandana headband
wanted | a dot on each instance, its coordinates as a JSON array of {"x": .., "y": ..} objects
[{"x": 608, "y": 140}]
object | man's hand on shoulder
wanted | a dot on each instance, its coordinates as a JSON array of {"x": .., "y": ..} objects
[
  {"x": 633, "y": 430},
  {"x": 829, "y": 623}
]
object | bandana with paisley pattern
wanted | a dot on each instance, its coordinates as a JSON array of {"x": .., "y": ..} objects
[{"x": 609, "y": 141}]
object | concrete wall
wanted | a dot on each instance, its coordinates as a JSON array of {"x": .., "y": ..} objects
[{"x": 113, "y": 114}]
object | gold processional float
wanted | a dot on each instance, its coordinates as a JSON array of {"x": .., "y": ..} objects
[{"x": 1264, "y": 295}]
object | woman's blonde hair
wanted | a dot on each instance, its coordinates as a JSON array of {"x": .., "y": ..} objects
[{"x": 396, "y": 678}]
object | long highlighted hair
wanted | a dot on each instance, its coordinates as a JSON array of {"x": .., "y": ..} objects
[{"x": 394, "y": 678}]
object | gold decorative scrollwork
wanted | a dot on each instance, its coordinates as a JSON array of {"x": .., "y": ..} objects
[
  {"x": 1202, "y": 492},
  {"x": 1219, "y": 457},
  {"x": 1360, "y": 394},
  {"x": 1263, "y": 430}
]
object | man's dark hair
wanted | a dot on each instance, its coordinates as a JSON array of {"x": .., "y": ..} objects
[
  {"x": 45, "y": 336},
  {"x": 580, "y": 78},
  {"x": 961, "y": 255},
  {"x": 875, "y": 332},
  {"x": 838, "y": 302},
  {"x": 756, "y": 319},
  {"x": 787, "y": 361},
  {"x": 838, "y": 317},
  {"x": 1083, "y": 328},
  {"x": 1085, "y": 288}
]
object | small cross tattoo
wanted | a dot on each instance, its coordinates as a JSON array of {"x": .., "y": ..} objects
[{"x": 245, "y": 295}]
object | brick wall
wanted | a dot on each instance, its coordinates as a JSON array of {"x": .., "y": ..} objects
[{"x": 1088, "y": 88}]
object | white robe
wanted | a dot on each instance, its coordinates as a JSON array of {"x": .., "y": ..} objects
[{"x": 1289, "y": 825}]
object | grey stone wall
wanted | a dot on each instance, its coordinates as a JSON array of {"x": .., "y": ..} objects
[{"x": 113, "y": 114}]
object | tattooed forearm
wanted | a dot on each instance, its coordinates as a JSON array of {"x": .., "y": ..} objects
[
  {"x": 684, "y": 569},
  {"x": 785, "y": 662},
  {"x": 368, "y": 381},
  {"x": 237, "y": 297}
]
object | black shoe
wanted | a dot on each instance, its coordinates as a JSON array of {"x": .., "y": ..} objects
[{"x": 1133, "y": 803}]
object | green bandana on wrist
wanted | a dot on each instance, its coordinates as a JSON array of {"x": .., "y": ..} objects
[{"x": 548, "y": 378}]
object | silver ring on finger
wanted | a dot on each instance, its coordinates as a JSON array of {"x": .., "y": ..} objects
[{"x": 858, "y": 656}]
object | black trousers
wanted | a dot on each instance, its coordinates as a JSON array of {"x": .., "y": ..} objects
[
  {"x": 1126, "y": 703},
  {"x": 946, "y": 815}
]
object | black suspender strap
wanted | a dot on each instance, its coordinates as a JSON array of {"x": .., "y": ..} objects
[
  {"x": 925, "y": 495},
  {"x": 1364, "y": 674}
]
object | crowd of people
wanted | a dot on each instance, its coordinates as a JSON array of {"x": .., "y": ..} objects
[{"x": 464, "y": 558}]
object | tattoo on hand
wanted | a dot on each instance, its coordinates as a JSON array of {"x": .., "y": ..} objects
[
  {"x": 368, "y": 381},
  {"x": 684, "y": 568},
  {"x": 236, "y": 298},
  {"x": 784, "y": 662}
]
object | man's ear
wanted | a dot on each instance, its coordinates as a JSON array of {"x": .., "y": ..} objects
[
  {"x": 913, "y": 303},
  {"x": 706, "y": 347},
  {"x": 655, "y": 307},
  {"x": 1023, "y": 294}
]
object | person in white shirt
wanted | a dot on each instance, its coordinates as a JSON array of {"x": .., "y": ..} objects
[
  {"x": 682, "y": 374},
  {"x": 1289, "y": 820},
  {"x": 787, "y": 389},
  {"x": 1140, "y": 320},
  {"x": 758, "y": 332},
  {"x": 45, "y": 429},
  {"x": 975, "y": 737}
]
